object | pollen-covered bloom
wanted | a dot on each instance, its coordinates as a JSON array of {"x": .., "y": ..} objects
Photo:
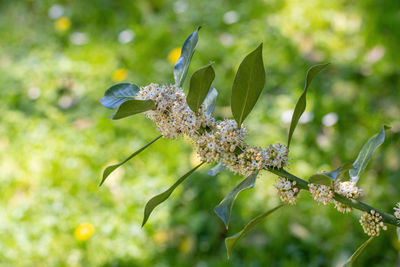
[
  {"x": 287, "y": 191},
  {"x": 397, "y": 210},
  {"x": 247, "y": 162},
  {"x": 276, "y": 155},
  {"x": 321, "y": 193},
  {"x": 347, "y": 189},
  {"x": 372, "y": 223}
]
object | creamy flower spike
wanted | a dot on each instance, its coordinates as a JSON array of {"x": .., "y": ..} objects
[
  {"x": 342, "y": 207},
  {"x": 276, "y": 155},
  {"x": 347, "y": 189},
  {"x": 372, "y": 223},
  {"x": 397, "y": 210},
  {"x": 287, "y": 191},
  {"x": 321, "y": 193}
]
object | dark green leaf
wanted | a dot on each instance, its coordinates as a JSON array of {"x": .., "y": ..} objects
[
  {"x": 224, "y": 208},
  {"x": 301, "y": 103},
  {"x": 353, "y": 257},
  {"x": 248, "y": 84},
  {"x": 320, "y": 179},
  {"x": 210, "y": 101},
  {"x": 232, "y": 240},
  {"x": 365, "y": 154},
  {"x": 112, "y": 168},
  {"x": 216, "y": 169},
  {"x": 200, "y": 84},
  {"x": 336, "y": 173},
  {"x": 182, "y": 65},
  {"x": 132, "y": 107},
  {"x": 118, "y": 94},
  {"x": 158, "y": 199}
]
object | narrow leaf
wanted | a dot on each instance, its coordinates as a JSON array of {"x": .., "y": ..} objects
[
  {"x": 365, "y": 154},
  {"x": 248, "y": 84},
  {"x": 132, "y": 107},
  {"x": 118, "y": 94},
  {"x": 182, "y": 65},
  {"x": 301, "y": 103},
  {"x": 216, "y": 169},
  {"x": 200, "y": 84},
  {"x": 160, "y": 198},
  {"x": 224, "y": 208},
  {"x": 358, "y": 252},
  {"x": 320, "y": 179},
  {"x": 232, "y": 240},
  {"x": 210, "y": 101},
  {"x": 112, "y": 168}
]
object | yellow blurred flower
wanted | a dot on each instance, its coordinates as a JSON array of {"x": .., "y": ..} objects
[
  {"x": 119, "y": 75},
  {"x": 62, "y": 23},
  {"x": 187, "y": 245},
  {"x": 84, "y": 231},
  {"x": 194, "y": 159},
  {"x": 174, "y": 55},
  {"x": 160, "y": 237}
]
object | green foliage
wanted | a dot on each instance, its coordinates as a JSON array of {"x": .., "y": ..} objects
[
  {"x": 132, "y": 107},
  {"x": 210, "y": 101},
  {"x": 200, "y": 84},
  {"x": 327, "y": 178},
  {"x": 321, "y": 179},
  {"x": 118, "y": 94},
  {"x": 357, "y": 253},
  {"x": 216, "y": 169},
  {"x": 248, "y": 84}
]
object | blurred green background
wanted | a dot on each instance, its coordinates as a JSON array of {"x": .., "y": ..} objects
[{"x": 58, "y": 57}]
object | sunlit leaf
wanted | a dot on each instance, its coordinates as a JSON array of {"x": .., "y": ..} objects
[
  {"x": 210, "y": 101},
  {"x": 132, "y": 107},
  {"x": 118, "y": 94},
  {"x": 301, "y": 103},
  {"x": 160, "y": 198},
  {"x": 321, "y": 179},
  {"x": 182, "y": 65},
  {"x": 365, "y": 154},
  {"x": 200, "y": 84},
  {"x": 353, "y": 257},
  {"x": 224, "y": 208},
  {"x": 112, "y": 168},
  {"x": 232, "y": 240},
  {"x": 248, "y": 84},
  {"x": 216, "y": 169}
]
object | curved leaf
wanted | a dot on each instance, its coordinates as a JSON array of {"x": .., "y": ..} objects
[
  {"x": 216, "y": 169},
  {"x": 132, "y": 107},
  {"x": 365, "y": 154},
  {"x": 118, "y": 94},
  {"x": 182, "y": 65},
  {"x": 160, "y": 198},
  {"x": 301, "y": 103},
  {"x": 321, "y": 179},
  {"x": 248, "y": 84},
  {"x": 210, "y": 101},
  {"x": 358, "y": 252},
  {"x": 232, "y": 240},
  {"x": 224, "y": 208},
  {"x": 200, "y": 84},
  {"x": 112, "y": 168}
]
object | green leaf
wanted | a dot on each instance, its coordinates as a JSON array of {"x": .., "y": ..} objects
[
  {"x": 210, "y": 101},
  {"x": 112, "y": 168},
  {"x": 132, "y": 107},
  {"x": 216, "y": 169},
  {"x": 118, "y": 94},
  {"x": 160, "y": 198},
  {"x": 182, "y": 65},
  {"x": 301, "y": 103},
  {"x": 320, "y": 179},
  {"x": 336, "y": 173},
  {"x": 200, "y": 84},
  {"x": 365, "y": 154},
  {"x": 224, "y": 208},
  {"x": 358, "y": 252},
  {"x": 248, "y": 84},
  {"x": 232, "y": 240}
]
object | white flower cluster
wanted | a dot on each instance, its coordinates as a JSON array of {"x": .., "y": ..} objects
[
  {"x": 347, "y": 189},
  {"x": 276, "y": 155},
  {"x": 397, "y": 210},
  {"x": 172, "y": 115},
  {"x": 287, "y": 191},
  {"x": 321, "y": 193},
  {"x": 372, "y": 223},
  {"x": 342, "y": 207}
]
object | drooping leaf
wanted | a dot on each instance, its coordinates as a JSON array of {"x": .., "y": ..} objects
[
  {"x": 320, "y": 179},
  {"x": 200, "y": 84},
  {"x": 160, "y": 198},
  {"x": 216, "y": 169},
  {"x": 132, "y": 107},
  {"x": 118, "y": 94},
  {"x": 210, "y": 101},
  {"x": 365, "y": 154},
  {"x": 248, "y": 84},
  {"x": 182, "y": 65},
  {"x": 232, "y": 240},
  {"x": 112, "y": 168},
  {"x": 301, "y": 103},
  {"x": 224, "y": 208},
  {"x": 358, "y": 252}
]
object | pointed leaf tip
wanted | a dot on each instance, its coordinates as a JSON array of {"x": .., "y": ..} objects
[{"x": 200, "y": 84}]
